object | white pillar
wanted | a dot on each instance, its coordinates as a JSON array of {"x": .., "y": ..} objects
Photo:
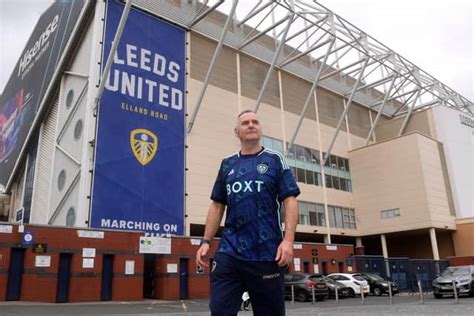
[
  {"x": 434, "y": 244},
  {"x": 359, "y": 242},
  {"x": 327, "y": 239},
  {"x": 384, "y": 246},
  {"x": 385, "y": 253}
]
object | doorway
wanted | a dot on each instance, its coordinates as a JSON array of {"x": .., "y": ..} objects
[
  {"x": 15, "y": 274},
  {"x": 149, "y": 276},
  {"x": 107, "y": 276},
  {"x": 64, "y": 274},
  {"x": 183, "y": 278}
]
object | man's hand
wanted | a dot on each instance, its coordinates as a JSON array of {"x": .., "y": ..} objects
[
  {"x": 284, "y": 253},
  {"x": 201, "y": 258}
]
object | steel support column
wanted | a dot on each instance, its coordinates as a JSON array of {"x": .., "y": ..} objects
[
  {"x": 410, "y": 111},
  {"x": 308, "y": 98},
  {"x": 349, "y": 103},
  {"x": 379, "y": 113},
  {"x": 113, "y": 50},
  {"x": 272, "y": 65},
  {"x": 211, "y": 67}
]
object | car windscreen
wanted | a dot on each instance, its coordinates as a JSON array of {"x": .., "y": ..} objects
[
  {"x": 455, "y": 271},
  {"x": 375, "y": 277},
  {"x": 358, "y": 277}
]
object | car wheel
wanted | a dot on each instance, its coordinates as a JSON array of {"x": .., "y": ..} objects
[
  {"x": 438, "y": 295},
  {"x": 302, "y": 296},
  {"x": 351, "y": 292},
  {"x": 377, "y": 291}
]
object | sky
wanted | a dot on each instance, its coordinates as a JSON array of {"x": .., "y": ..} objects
[{"x": 437, "y": 36}]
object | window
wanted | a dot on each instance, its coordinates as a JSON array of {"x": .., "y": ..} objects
[
  {"x": 309, "y": 177},
  {"x": 390, "y": 213},
  {"x": 341, "y": 217},
  {"x": 303, "y": 213},
  {"x": 304, "y": 161},
  {"x": 300, "y": 175}
]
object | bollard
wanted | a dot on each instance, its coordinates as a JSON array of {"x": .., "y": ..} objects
[
  {"x": 292, "y": 294},
  {"x": 422, "y": 300},
  {"x": 455, "y": 290},
  {"x": 337, "y": 293},
  {"x": 362, "y": 294},
  {"x": 390, "y": 296},
  {"x": 312, "y": 291}
]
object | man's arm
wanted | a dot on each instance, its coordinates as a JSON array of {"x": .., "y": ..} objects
[
  {"x": 213, "y": 220},
  {"x": 285, "y": 250}
]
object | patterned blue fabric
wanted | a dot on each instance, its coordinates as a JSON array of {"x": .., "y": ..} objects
[{"x": 253, "y": 187}]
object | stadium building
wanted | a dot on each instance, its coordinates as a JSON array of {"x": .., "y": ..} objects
[{"x": 118, "y": 114}]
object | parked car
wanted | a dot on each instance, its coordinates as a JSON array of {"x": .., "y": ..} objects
[
  {"x": 378, "y": 285},
  {"x": 342, "y": 290},
  {"x": 354, "y": 282},
  {"x": 303, "y": 286},
  {"x": 462, "y": 275}
]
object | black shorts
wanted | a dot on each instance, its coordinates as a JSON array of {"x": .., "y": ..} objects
[{"x": 230, "y": 277}]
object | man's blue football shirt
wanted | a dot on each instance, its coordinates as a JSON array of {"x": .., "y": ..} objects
[{"x": 253, "y": 187}]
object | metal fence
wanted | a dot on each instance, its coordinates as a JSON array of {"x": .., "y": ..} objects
[{"x": 405, "y": 272}]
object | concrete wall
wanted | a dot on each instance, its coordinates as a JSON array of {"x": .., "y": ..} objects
[
  {"x": 463, "y": 237},
  {"x": 402, "y": 173}
]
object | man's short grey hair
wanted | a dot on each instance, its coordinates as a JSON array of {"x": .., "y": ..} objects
[{"x": 242, "y": 113}]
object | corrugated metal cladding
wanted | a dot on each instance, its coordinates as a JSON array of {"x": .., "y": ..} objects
[
  {"x": 330, "y": 108},
  {"x": 225, "y": 71},
  {"x": 44, "y": 165},
  {"x": 295, "y": 92},
  {"x": 252, "y": 73}
]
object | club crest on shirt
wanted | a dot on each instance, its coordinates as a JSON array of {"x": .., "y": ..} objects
[{"x": 262, "y": 168}]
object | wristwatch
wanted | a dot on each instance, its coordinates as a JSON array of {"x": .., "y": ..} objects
[{"x": 205, "y": 241}]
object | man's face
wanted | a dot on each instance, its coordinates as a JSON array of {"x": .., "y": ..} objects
[{"x": 248, "y": 129}]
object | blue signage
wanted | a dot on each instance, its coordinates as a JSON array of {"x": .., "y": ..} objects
[
  {"x": 28, "y": 238},
  {"x": 139, "y": 168}
]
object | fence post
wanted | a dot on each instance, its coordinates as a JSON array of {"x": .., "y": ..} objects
[
  {"x": 422, "y": 300},
  {"x": 336, "y": 292},
  {"x": 455, "y": 290},
  {"x": 312, "y": 292},
  {"x": 292, "y": 294},
  {"x": 390, "y": 296},
  {"x": 362, "y": 294}
]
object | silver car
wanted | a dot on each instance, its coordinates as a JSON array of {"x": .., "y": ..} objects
[{"x": 463, "y": 276}]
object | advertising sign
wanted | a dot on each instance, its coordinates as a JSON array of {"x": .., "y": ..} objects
[
  {"x": 139, "y": 169},
  {"x": 27, "y": 85}
]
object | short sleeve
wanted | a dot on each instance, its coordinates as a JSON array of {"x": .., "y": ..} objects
[
  {"x": 219, "y": 193},
  {"x": 287, "y": 185}
]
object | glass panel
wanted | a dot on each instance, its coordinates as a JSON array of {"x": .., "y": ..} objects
[
  {"x": 335, "y": 183},
  {"x": 278, "y": 146},
  {"x": 315, "y": 156},
  {"x": 313, "y": 219},
  {"x": 343, "y": 184},
  {"x": 328, "y": 181},
  {"x": 307, "y": 154},
  {"x": 300, "y": 175},
  {"x": 319, "y": 181},
  {"x": 309, "y": 177},
  {"x": 332, "y": 217},
  {"x": 347, "y": 164},
  {"x": 333, "y": 162},
  {"x": 339, "y": 222},
  {"x": 340, "y": 164},
  {"x": 299, "y": 151}
]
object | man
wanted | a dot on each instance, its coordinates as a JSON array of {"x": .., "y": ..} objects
[{"x": 252, "y": 252}]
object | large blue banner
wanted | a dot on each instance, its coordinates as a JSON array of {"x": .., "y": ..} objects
[{"x": 139, "y": 169}]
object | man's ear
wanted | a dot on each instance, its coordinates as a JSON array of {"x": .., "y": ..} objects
[{"x": 236, "y": 131}]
